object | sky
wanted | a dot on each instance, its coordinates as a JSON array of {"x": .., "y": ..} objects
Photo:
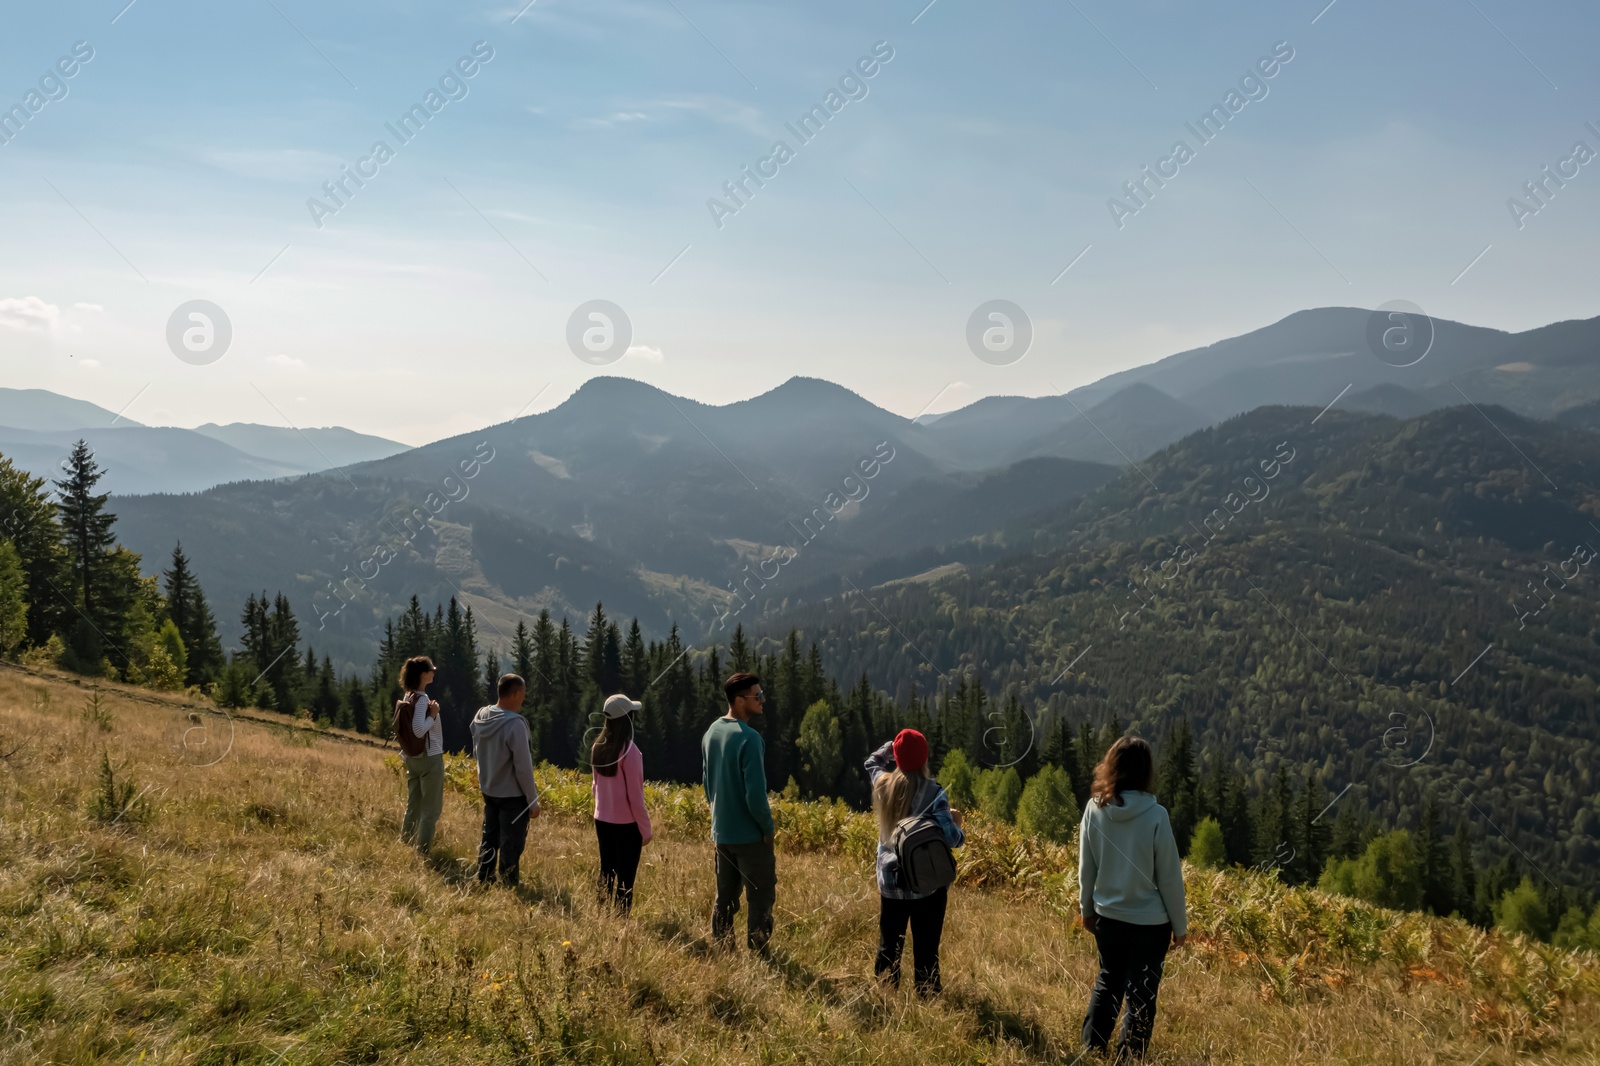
[{"x": 984, "y": 158}]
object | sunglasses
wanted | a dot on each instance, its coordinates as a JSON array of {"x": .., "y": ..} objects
[{"x": 758, "y": 696}]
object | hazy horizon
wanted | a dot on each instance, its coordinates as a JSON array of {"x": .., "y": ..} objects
[{"x": 192, "y": 153}]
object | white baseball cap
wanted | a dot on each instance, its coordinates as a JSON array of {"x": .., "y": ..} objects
[{"x": 619, "y": 705}]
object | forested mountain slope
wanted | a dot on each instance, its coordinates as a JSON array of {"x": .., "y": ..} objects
[{"x": 1407, "y": 607}]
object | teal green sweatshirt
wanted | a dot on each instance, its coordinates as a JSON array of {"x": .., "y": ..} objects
[
  {"x": 736, "y": 782},
  {"x": 1128, "y": 863}
]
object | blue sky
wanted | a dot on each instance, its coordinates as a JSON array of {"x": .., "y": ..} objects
[{"x": 977, "y": 166}]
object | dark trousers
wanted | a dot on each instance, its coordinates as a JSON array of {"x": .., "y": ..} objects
[
  {"x": 505, "y": 833},
  {"x": 1131, "y": 957},
  {"x": 926, "y": 917},
  {"x": 752, "y": 869},
  {"x": 620, "y": 845}
]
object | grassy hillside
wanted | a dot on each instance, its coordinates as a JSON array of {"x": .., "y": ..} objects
[{"x": 261, "y": 910}]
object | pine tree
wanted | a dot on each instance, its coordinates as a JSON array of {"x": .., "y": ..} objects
[
  {"x": 635, "y": 664},
  {"x": 28, "y": 519},
  {"x": 1463, "y": 872},
  {"x": 491, "y": 676},
  {"x": 356, "y": 706},
  {"x": 1437, "y": 896},
  {"x": 100, "y": 598},
  {"x": 282, "y": 670},
  {"x": 187, "y": 607},
  {"x": 325, "y": 704},
  {"x": 739, "y": 651},
  {"x": 1311, "y": 833},
  {"x": 458, "y": 664},
  {"x": 1177, "y": 783}
]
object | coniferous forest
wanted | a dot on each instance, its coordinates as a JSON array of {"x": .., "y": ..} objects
[{"x": 1399, "y": 788}]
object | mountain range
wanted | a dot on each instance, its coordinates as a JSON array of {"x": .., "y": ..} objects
[
  {"x": 38, "y": 429},
  {"x": 664, "y": 507}
]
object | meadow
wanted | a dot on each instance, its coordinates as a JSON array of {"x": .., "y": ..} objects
[{"x": 181, "y": 887}]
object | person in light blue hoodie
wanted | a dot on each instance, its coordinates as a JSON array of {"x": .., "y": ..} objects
[{"x": 1130, "y": 890}]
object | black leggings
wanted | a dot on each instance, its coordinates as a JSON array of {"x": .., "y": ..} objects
[
  {"x": 620, "y": 845},
  {"x": 926, "y": 916}
]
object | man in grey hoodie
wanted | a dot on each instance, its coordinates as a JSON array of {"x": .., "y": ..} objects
[{"x": 505, "y": 777}]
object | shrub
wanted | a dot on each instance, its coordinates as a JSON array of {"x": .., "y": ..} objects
[
  {"x": 1522, "y": 910},
  {"x": 1047, "y": 808},
  {"x": 1387, "y": 873},
  {"x": 821, "y": 745},
  {"x": 46, "y": 655},
  {"x": 956, "y": 776},
  {"x": 1206, "y": 848},
  {"x": 998, "y": 792}
]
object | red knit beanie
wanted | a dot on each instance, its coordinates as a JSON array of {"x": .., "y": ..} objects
[{"x": 910, "y": 751}]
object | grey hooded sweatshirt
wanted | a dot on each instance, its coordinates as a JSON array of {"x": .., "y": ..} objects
[
  {"x": 505, "y": 762},
  {"x": 1128, "y": 863}
]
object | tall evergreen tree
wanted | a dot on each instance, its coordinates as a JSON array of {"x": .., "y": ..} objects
[
  {"x": 635, "y": 665},
  {"x": 28, "y": 519},
  {"x": 458, "y": 665},
  {"x": 283, "y": 670},
  {"x": 491, "y": 676},
  {"x": 1463, "y": 872},
  {"x": 1177, "y": 783},
  {"x": 1434, "y": 861},
  {"x": 187, "y": 607},
  {"x": 99, "y": 590}
]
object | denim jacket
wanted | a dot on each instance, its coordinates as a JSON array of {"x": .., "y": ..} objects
[{"x": 929, "y": 799}]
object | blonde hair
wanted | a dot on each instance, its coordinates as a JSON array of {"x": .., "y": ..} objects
[{"x": 892, "y": 795}]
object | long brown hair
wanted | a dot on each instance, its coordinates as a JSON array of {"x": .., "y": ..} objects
[
  {"x": 606, "y": 752},
  {"x": 1128, "y": 767},
  {"x": 411, "y": 673},
  {"x": 892, "y": 794}
]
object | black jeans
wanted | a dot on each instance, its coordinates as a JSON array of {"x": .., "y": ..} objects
[
  {"x": 1131, "y": 957},
  {"x": 620, "y": 845},
  {"x": 751, "y": 869},
  {"x": 926, "y": 917},
  {"x": 505, "y": 833}
]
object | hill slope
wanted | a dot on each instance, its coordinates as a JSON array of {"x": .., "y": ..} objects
[
  {"x": 260, "y": 909},
  {"x": 1380, "y": 616}
]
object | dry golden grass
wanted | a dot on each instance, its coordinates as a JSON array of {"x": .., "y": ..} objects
[{"x": 262, "y": 910}]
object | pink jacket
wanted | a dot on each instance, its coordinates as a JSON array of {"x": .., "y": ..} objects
[{"x": 619, "y": 797}]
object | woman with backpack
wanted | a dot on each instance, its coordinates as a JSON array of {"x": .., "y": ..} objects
[
  {"x": 916, "y": 829},
  {"x": 424, "y": 770},
  {"x": 1131, "y": 894},
  {"x": 621, "y": 823}
]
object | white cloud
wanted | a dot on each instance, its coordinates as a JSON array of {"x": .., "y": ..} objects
[
  {"x": 29, "y": 314},
  {"x": 720, "y": 109},
  {"x": 645, "y": 352},
  {"x": 616, "y": 118},
  {"x": 92, "y": 364},
  {"x": 88, "y": 307},
  {"x": 288, "y": 361},
  {"x": 717, "y": 109}
]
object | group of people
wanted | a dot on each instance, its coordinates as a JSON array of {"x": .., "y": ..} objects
[{"x": 1130, "y": 882}]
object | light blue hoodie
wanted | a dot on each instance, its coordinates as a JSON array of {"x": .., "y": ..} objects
[{"x": 1128, "y": 863}]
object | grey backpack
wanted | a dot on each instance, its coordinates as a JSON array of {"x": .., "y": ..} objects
[{"x": 926, "y": 862}]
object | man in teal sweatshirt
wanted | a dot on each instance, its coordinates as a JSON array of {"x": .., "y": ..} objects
[{"x": 741, "y": 818}]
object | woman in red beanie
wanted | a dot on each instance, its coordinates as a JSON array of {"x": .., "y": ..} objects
[{"x": 903, "y": 790}]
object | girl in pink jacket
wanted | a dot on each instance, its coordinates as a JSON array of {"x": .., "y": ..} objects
[{"x": 620, "y": 820}]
